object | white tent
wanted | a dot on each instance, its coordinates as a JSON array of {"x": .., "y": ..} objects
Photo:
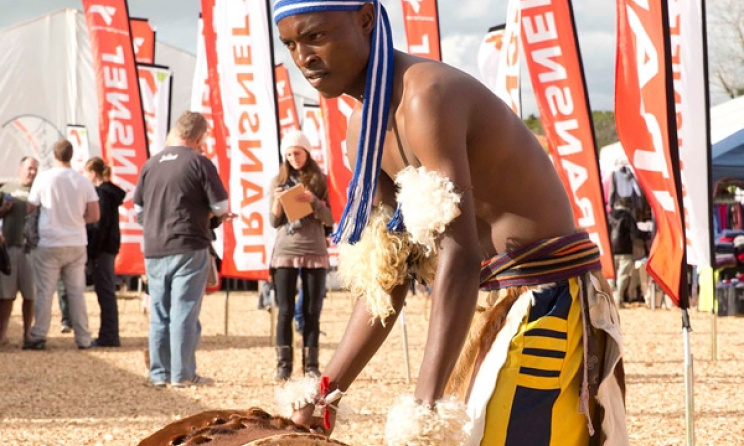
[{"x": 49, "y": 82}]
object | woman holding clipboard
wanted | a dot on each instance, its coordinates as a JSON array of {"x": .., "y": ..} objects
[{"x": 300, "y": 212}]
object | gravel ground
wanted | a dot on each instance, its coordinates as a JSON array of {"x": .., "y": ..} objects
[{"x": 63, "y": 396}]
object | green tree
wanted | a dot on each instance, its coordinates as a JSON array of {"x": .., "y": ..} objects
[
  {"x": 604, "y": 127},
  {"x": 534, "y": 124}
]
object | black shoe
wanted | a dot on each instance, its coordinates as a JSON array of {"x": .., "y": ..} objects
[
  {"x": 34, "y": 344},
  {"x": 98, "y": 343},
  {"x": 85, "y": 347}
]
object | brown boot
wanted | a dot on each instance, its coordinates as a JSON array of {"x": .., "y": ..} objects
[
  {"x": 310, "y": 362},
  {"x": 283, "y": 363}
]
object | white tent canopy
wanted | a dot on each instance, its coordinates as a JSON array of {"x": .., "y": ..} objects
[{"x": 50, "y": 83}]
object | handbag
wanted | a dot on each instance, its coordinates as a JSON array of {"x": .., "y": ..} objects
[{"x": 4, "y": 260}]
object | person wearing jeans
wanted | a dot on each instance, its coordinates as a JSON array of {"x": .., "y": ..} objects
[{"x": 178, "y": 193}]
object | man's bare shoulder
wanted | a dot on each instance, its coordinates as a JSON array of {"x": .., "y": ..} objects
[{"x": 430, "y": 83}]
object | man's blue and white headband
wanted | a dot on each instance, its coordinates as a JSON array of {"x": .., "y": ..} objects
[{"x": 375, "y": 109}]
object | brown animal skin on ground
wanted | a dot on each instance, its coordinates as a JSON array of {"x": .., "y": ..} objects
[{"x": 235, "y": 428}]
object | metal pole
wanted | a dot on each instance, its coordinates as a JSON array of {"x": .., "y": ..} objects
[
  {"x": 227, "y": 306},
  {"x": 402, "y": 320},
  {"x": 689, "y": 394},
  {"x": 714, "y": 333}
]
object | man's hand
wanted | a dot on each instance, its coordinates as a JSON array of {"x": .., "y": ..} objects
[{"x": 227, "y": 216}]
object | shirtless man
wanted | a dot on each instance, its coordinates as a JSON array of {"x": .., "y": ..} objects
[{"x": 510, "y": 199}]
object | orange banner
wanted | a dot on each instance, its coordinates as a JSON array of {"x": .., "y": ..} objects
[
  {"x": 642, "y": 118},
  {"x": 422, "y": 28},
  {"x": 552, "y": 55},
  {"x": 121, "y": 123},
  {"x": 143, "y": 40},
  {"x": 285, "y": 99},
  {"x": 336, "y": 114}
]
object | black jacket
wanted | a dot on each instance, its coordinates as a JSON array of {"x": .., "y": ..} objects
[
  {"x": 104, "y": 235},
  {"x": 624, "y": 230}
]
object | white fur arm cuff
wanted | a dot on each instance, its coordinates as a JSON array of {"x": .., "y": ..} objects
[
  {"x": 300, "y": 392},
  {"x": 428, "y": 202},
  {"x": 411, "y": 423}
]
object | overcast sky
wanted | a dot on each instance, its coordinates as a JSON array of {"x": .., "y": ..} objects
[{"x": 463, "y": 24}]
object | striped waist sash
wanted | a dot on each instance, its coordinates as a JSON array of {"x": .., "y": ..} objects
[{"x": 544, "y": 261}]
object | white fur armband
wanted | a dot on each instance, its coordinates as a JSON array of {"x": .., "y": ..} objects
[
  {"x": 428, "y": 202},
  {"x": 299, "y": 392},
  {"x": 296, "y": 394},
  {"x": 380, "y": 261},
  {"x": 410, "y": 423}
]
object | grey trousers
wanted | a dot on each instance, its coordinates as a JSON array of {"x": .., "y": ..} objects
[{"x": 67, "y": 262}]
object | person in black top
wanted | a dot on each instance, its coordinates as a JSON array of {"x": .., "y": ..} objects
[
  {"x": 624, "y": 230},
  {"x": 104, "y": 239}
]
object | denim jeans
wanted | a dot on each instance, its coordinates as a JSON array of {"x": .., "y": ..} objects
[
  {"x": 51, "y": 263},
  {"x": 176, "y": 285}
]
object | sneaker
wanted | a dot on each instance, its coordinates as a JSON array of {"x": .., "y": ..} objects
[
  {"x": 34, "y": 344},
  {"x": 197, "y": 381},
  {"x": 65, "y": 329},
  {"x": 155, "y": 384}
]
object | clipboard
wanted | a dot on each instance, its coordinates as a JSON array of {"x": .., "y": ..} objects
[{"x": 294, "y": 209}]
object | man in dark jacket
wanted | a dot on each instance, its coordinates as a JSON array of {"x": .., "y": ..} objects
[{"x": 624, "y": 230}]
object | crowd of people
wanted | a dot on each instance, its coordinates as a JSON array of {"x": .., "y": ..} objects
[
  {"x": 61, "y": 232},
  {"x": 58, "y": 228}
]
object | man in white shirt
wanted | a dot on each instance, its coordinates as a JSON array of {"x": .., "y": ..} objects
[{"x": 67, "y": 201}]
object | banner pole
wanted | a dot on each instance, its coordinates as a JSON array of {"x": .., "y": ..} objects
[
  {"x": 683, "y": 291},
  {"x": 689, "y": 393}
]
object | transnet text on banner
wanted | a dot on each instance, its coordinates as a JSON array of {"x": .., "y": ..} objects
[
  {"x": 121, "y": 124},
  {"x": 643, "y": 128},
  {"x": 143, "y": 40},
  {"x": 336, "y": 114},
  {"x": 155, "y": 87},
  {"x": 498, "y": 59},
  {"x": 422, "y": 28},
  {"x": 215, "y": 148},
  {"x": 288, "y": 119},
  {"x": 247, "y": 89},
  {"x": 688, "y": 65},
  {"x": 553, "y": 60}
]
